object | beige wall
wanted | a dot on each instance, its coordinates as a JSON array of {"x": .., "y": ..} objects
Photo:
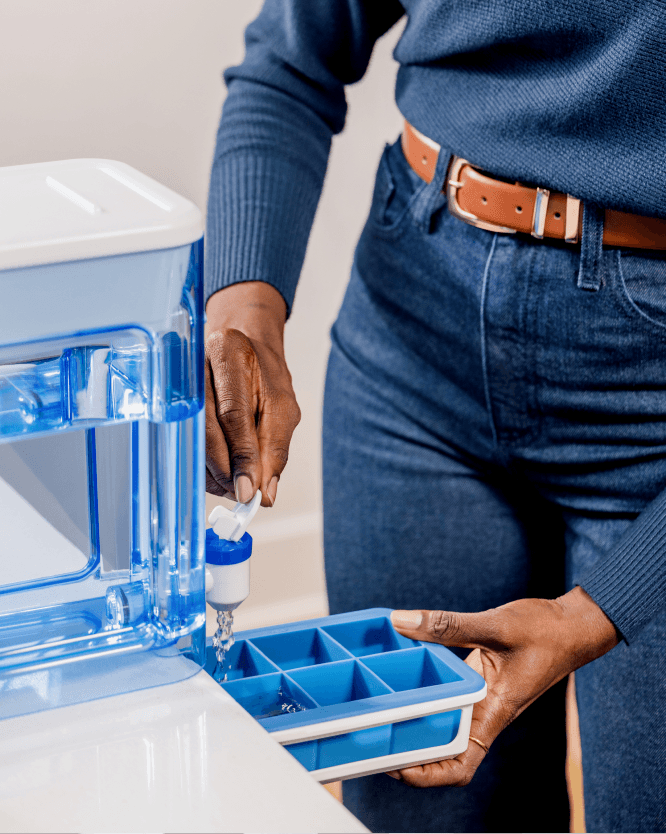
[{"x": 139, "y": 81}]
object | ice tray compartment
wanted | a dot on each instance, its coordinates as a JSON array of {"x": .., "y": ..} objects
[
  {"x": 242, "y": 661},
  {"x": 305, "y": 752},
  {"x": 421, "y": 733},
  {"x": 307, "y": 647},
  {"x": 340, "y": 683},
  {"x": 411, "y": 669},
  {"x": 353, "y": 747},
  {"x": 372, "y": 636},
  {"x": 262, "y": 696}
]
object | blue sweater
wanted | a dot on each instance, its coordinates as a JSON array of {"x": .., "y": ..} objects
[{"x": 567, "y": 94}]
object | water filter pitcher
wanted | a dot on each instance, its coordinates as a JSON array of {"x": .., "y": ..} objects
[{"x": 101, "y": 434}]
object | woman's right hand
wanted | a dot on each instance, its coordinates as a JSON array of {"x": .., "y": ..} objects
[{"x": 251, "y": 408}]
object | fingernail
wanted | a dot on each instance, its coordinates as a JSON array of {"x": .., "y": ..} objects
[
  {"x": 272, "y": 489},
  {"x": 244, "y": 489},
  {"x": 394, "y": 775},
  {"x": 406, "y": 619}
]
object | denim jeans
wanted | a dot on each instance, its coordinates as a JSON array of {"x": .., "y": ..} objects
[{"x": 494, "y": 420}]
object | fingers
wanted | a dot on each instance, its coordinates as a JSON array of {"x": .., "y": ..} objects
[
  {"x": 214, "y": 488},
  {"x": 479, "y": 630},
  {"x": 251, "y": 414},
  {"x": 279, "y": 417},
  {"x": 218, "y": 470},
  {"x": 452, "y": 772},
  {"x": 487, "y": 715},
  {"x": 232, "y": 447},
  {"x": 474, "y": 661}
]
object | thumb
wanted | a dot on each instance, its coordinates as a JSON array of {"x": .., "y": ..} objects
[{"x": 450, "y": 628}]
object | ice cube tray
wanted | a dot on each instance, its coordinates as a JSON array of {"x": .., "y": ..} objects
[{"x": 374, "y": 700}]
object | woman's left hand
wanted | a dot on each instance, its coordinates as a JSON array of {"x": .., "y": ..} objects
[{"x": 521, "y": 649}]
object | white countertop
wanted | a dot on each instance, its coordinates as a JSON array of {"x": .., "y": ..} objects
[{"x": 183, "y": 757}]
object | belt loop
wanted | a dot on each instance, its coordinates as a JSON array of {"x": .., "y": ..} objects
[
  {"x": 431, "y": 197},
  {"x": 590, "y": 272}
]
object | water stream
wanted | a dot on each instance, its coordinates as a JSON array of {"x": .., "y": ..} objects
[{"x": 223, "y": 640}]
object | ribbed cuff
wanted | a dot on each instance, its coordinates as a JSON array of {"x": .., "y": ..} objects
[
  {"x": 260, "y": 212},
  {"x": 629, "y": 585}
]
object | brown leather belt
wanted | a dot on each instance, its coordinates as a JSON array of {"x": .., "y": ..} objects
[{"x": 499, "y": 206}]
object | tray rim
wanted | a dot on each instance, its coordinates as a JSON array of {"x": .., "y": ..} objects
[{"x": 379, "y": 718}]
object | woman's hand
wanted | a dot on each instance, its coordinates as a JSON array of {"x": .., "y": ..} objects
[
  {"x": 521, "y": 649},
  {"x": 251, "y": 409}
]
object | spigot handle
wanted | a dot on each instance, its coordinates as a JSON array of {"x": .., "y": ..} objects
[{"x": 231, "y": 524}]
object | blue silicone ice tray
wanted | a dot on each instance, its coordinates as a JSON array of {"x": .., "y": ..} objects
[{"x": 351, "y": 672}]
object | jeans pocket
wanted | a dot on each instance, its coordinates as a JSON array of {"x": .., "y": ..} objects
[
  {"x": 643, "y": 284},
  {"x": 396, "y": 186}
]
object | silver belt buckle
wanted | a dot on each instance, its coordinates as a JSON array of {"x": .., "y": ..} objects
[{"x": 452, "y": 186}]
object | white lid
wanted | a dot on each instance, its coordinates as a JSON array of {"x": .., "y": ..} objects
[
  {"x": 74, "y": 209},
  {"x": 231, "y": 524}
]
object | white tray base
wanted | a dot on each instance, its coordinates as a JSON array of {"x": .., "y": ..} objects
[{"x": 410, "y": 758}]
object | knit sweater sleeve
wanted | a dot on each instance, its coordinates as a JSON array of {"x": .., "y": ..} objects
[
  {"x": 284, "y": 103},
  {"x": 629, "y": 583}
]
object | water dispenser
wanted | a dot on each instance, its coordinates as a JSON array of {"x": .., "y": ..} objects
[{"x": 101, "y": 434}]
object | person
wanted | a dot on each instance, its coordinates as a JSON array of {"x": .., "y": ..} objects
[{"x": 494, "y": 439}]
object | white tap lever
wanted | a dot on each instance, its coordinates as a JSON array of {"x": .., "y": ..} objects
[{"x": 231, "y": 524}]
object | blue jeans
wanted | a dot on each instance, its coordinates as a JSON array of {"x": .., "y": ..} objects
[{"x": 494, "y": 420}]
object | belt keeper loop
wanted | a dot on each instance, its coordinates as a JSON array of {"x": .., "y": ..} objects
[
  {"x": 540, "y": 211},
  {"x": 572, "y": 218},
  {"x": 591, "y": 264}
]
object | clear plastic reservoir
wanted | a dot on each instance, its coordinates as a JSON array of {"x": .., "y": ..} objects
[{"x": 101, "y": 472}]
